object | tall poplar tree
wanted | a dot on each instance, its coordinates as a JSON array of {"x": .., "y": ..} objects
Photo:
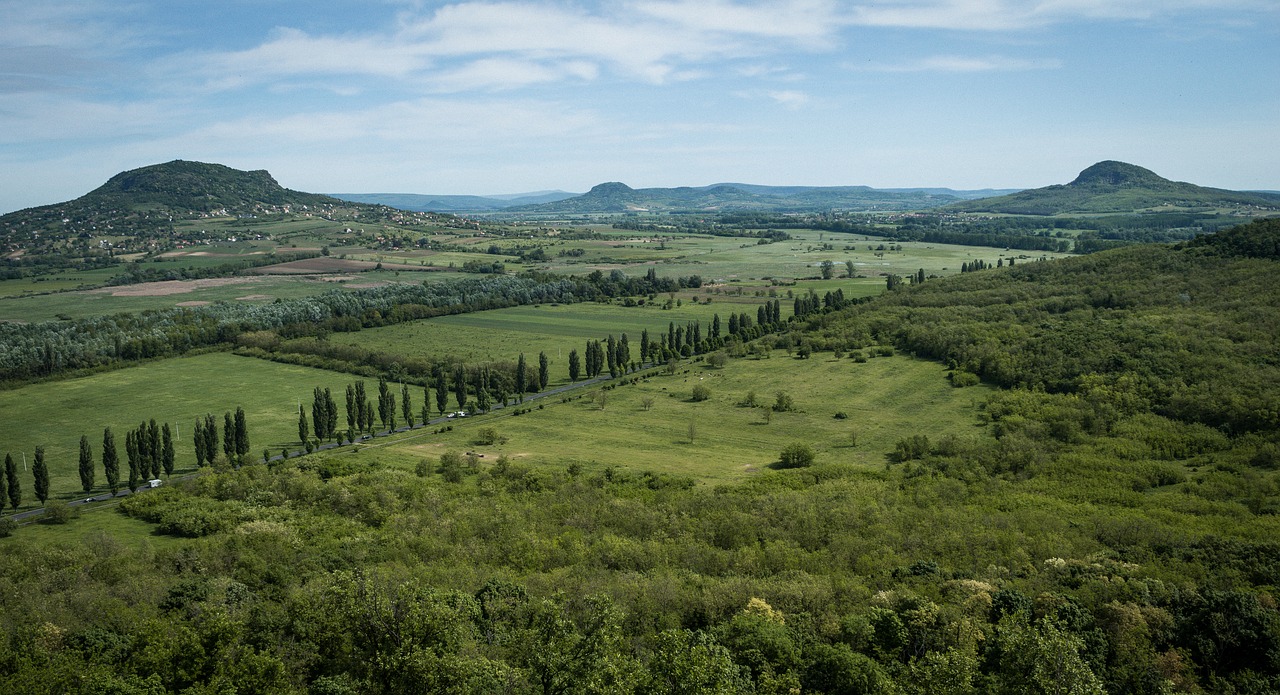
[
  {"x": 522, "y": 378},
  {"x": 210, "y": 438},
  {"x": 442, "y": 390},
  {"x": 111, "y": 460},
  {"x": 241, "y": 436},
  {"x": 197, "y": 438},
  {"x": 229, "y": 437},
  {"x": 4, "y": 483},
  {"x": 131, "y": 452},
  {"x": 11, "y": 478},
  {"x": 40, "y": 471},
  {"x": 330, "y": 411},
  {"x": 319, "y": 414},
  {"x": 460, "y": 385},
  {"x": 406, "y": 408},
  {"x": 156, "y": 449},
  {"x": 304, "y": 430},
  {"x": 361, "y": 408},
  {"x": 544, "y": 371},
  {"x": 575, "y": 365},
  {"x": 166, "y": 450},
  {"x": 87, "y": 472},
  {"x": 351, "y": 406}
]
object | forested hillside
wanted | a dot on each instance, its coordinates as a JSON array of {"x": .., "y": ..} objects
[{"x": 1109, "y": 526}]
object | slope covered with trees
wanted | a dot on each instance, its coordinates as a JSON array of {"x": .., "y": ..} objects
[{"x": 1111, "y": 529}]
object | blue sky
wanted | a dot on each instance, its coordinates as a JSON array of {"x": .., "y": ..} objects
[{"x": 504, "y": 97}]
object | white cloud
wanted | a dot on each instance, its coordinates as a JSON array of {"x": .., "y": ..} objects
[
  {"x": 1007, "y": 15},
  {"x": 790, "y": 98},
  {"x": 963, "y": 64}
]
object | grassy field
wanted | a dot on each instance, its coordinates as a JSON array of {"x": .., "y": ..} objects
[
  {"x": 176, "y": 391},
  {"x": 885, "y": 399},
  {"x": 554, "y": 329}
]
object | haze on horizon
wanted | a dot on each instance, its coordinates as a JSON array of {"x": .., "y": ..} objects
[{"x": 479, "y": 97}]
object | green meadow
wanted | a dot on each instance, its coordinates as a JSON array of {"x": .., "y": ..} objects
[
  {"x": 55, "y": 414},
  {"x": 503, "y": 334},
  {"x": 654, "y": 425}
]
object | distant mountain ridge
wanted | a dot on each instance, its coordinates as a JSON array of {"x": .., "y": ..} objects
[
  {"x": 616, "y": 197},
  {"x": 1116, "y": 187},
  {"x": 454, "y": 203}
]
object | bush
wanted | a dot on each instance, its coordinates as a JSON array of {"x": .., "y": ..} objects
[
  {"x": 700, "y": 393},
  {"x": 489, "y": 436},
  {"x": 7, "y": 526},
  {"x": 914, "y": 447},
  {"x": 961, "y": 379},
  {"x": 783, "y": 402},
  {"x": 57, "y": 512},
  {"x": 797, "y": 455}
]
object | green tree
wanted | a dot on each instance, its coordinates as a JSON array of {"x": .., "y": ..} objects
[
  {"x": 11, "y": 479},
  {"x": 210, "y": 438},
  {"x": 828, "y": 270},
  {"x": 87, "y": 472},
  {"x": 319, "y": 414},
  {"x": 575, "y": 365},
  {"x": 460, "y": 385},
  {"x": 155, "y": 449},
  {"x": 41, "y": 473},
  {"x": 111, "y": 460},
  {"x": 522, "y": 378},
  {"x": 242, "y": 435},
  {"x": 131, "y": 452},
  {"x": 544, "y": 371},
  {"x": 693, "y": 663},
  {"x": 229, "y": 436},
  {"x": 442, "y": 390},
  {"x": 406, "y": 408},
  {"x": 167, "y": 454},
  {"x": 700, "y": 393},
  {"x": 197, "y": 438},
  {"x": 351, "y": 406},
  {"x": 848, "y": 269},
  {"x": 796, "y": 455},
  {"x": 362, "y": 410},
  {"x": 783, "y": 403},
  {"x": 304, "y": 429}
]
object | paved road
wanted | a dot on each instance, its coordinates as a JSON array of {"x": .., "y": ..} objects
[{"x": 30, "y": 515}]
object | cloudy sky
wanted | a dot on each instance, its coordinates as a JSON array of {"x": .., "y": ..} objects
[{"x": 502, "y": 97}]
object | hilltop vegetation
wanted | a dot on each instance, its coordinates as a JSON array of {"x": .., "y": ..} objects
[{"x": 1116, "y": 187}]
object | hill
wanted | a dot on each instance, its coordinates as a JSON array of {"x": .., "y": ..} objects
[
  {"x": 1117, "y": 187},
  {"x": 150, "y": 199},
  {"x": 614, "y": 197}
]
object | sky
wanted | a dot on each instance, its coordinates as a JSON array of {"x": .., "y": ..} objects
[{"x": 470, "y": 97}]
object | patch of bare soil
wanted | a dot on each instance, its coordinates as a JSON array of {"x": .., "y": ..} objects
[{"x": 168, "y": 287}]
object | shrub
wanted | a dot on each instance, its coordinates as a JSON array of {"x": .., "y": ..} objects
[
  {"x": 914, "y": 447},
  {"x": 700, "y": 393},
  {"x": 796, "y": 455},
  {"x": 57, "y": 512},
  {"x": 489, "y": 436},
  {"x": 783, "y": 402},
  {"x": 961, "y": 379},
  {"x": 7, "y": 526}
]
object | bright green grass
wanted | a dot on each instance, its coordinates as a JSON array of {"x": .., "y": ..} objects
[
  {"x": 177, "y": 390},
  {"x": 554, "y": 329},
  {"x": 885, "y": 399},
  {"x": 102, "y": 526}
]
